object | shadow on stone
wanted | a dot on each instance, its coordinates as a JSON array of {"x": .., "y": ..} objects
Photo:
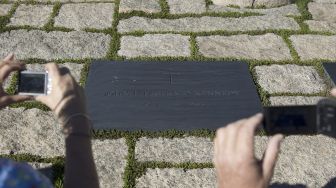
[
  {"x": 47, "y": 172},
  {"x": 330, "y": 184}
]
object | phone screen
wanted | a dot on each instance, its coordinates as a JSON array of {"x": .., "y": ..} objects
[
  {"x": 290, "y": 120},
  {"x": 32, "y": 83}
]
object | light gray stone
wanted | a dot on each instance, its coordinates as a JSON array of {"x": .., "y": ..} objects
[
  {"x": 261, "y": 47},
  {"x": 288, "y": 10},
  {"x": 54, "y": 45},
  {"x": 72, "y": 1},
  {"x": 186, "y": 6},
  {"x": 177, "y": 177},
  {"x": 32, "y": 15},
  {"x": 30, "y": 131},
  {"x": 44, "y": 168},
  {"x": 75, "y": 68},
  {"x": 85, "y": 15},
  {"x": 289, "y": 79},
  {"x": 311, "y": 47},
  {"x": 323, "y": 12},
  {"x": 325, "y": 1},
  {"x": 241, "y": 3},
  {"x": 271, "y": 3},
  {"x": 294, "y": 100},
  {"x": 4, "y": 9},
  {"x": 207, "y": 23},
  {"x": 155, "y": 45},
  {"x": 323, "y": 26},
  {"x": 149, "y": 6},
  {"x": 177, "y": 150},
  {"x": 110, "y": 159}
]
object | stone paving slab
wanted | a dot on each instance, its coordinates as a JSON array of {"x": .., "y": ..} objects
[
  {"x": 179, "y": 178},
  {"x": 261, "y": 47},
  {"x": 32, "y": 15},
  {"x": 270, "y": 3},
  {"x": 240, "y": 3},
  {"x": 206, "y": 23},
  {"x": 85, "y": 15},
  {"x": 5, "y": 8},
  {"x": 294, "y": 100},
  {"x": 54, "y": 45},
  {"x": 323, "y": 26},
  {"x": 325, "y": 1},
  {"x": 110, "y": 159},
  {"x": 149, "y": 6},
  {"x": 186, "y": 6},
  {"x": 75, "y": 68},
  {"x": 155, "y": 45},
  {"x": 322, "y": 12},
  {"x": 318, "y": 47},
  {"x": 30, "y": 131},
  {"x": 177, "y": 150},
  {"x": 288, "y": 10},
  {"x": 289, "y": 79}
]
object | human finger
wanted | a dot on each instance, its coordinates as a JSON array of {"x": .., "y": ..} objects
[
  {"x": 9, "y": 57},
  {"x": 53, "y": 70},
  {"x": 8, "y": 68},
  {"x": 333, "y": 92},
  {"x": 271, "y": 155}
]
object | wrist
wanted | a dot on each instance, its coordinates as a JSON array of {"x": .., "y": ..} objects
[{"x": 77, "y": 125}]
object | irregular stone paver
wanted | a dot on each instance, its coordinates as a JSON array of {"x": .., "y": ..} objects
[
  {"x": 207, "y": 23},
  {"x": 271, "y": 3},
  {"x": 261, "y": 47},
  {"x": 110, "y": 159},
  {"x": 186, "y": 6},
  {"x": 321, "y": 26},
  {"x": 166, "y": 178},
  {"x": 85, "y": 15},
  {"x": 44, "y": 168},
  {"x": 294, "y": 100},
  {"x": 288, "y": 10},
  {"x": 315, "y": 46},
  {"x": 32, "y": 15},
  {"x": 241, "y": 3},
  {"x": 75, "y": 68},
  {"x": 325, "y": 1},
  {"x": 149, "y": 6},
  {"x": 177, "y": 150},
  {"x": 323, "y": 12},
  {"x": 5, "y": 8},
  {"x": 30, "y": 131},
  {"x": 54, "y": 45},
  {"x": 289, "y": 79},
  {"x": 155, "y": 45}
]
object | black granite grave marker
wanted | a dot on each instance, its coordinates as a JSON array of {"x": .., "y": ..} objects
[
  {"x": 330, "y": 71},
  {"x": 156, "y": 96}
]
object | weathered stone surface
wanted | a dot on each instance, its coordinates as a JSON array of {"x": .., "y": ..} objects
[
  {"x": 323, "y": 26},
  {"x": 271, "y": 3},
  {"x": 315, "y": 46},
  {"x": 325, "y": 1},
  {"x": 177, "y": 177},
  {"x": 4, "y": 9},
  {"x": 289, "y": 79},
  {"x": 149, "y": 6},
  {"x": 177, "y": 150},
  {"x": 71, "y": 1},
  {"x": 241, "y": 3},
  {"x": 288, "y": 10},
  {"x": 186, "y": 6},
  {"x": 323, "y": 12},
  {"x": 207, "y": 23},
  {"x": 110, "y": 159},
  {"x": 44, "y": 168},
  {"x": 294, "y": 100},
  {"x": 155, "y": 45},
  {"x": 32, "y": 15},
  {"x": 54, "y": 45},
  {"x": 75, "y": 68},
  {"x": 261, "y": 47},
  {"x": 30, "y": 131},
  {"x": 85, "y": 15}
]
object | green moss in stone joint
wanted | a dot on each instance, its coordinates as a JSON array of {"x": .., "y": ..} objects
[
  {"x": 208, "y": 3},
  {"x": 131, "y": 169},
  {"x": 193, "y": 47},
  {"x": 4, "y": 20},
  {"x": 115, "y": 42},
  {"x": 234, "y": 6},
  {"x": 303, "y": 8},
  {"x": 84, "y": 73},
  {"x": 164, "y": 7},
  {"x": 49, "y": 26},
  {"x": 285, "y": 36}
]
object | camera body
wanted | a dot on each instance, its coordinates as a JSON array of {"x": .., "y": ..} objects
[
  {"x": 33, "y": 83},
  {"x": 312, "y": 119}
]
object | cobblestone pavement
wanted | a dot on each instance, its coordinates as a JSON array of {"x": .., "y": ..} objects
[{"x": 284, "y": 47}]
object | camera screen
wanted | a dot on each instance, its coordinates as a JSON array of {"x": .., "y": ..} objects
[{"x": 32, "y": 83}]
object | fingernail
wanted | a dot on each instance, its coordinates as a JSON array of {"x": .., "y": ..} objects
[
  {"x": 259, "y": 115},
  {"x": 333, "y": 91}
]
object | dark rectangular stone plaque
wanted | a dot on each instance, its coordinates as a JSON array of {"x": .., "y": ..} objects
[
  {"x": 156, "y": 96},
  {"x": 330, "y": 71}
]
